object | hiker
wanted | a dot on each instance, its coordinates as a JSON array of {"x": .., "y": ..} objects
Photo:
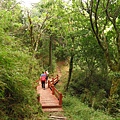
[
  {"x": 43, "y": 79},
  {"x": 47, "y": 73}
]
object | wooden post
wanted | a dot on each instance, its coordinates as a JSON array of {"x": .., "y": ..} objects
[
  {"x": 38, "y": 97},
  {"x": 48, "y": 84},
  {"x": 57, "y": 77},
  {"x": 53, "y": 90},
  {"x": 60, "y": 99},
  {"x": 53, "y": 81}
]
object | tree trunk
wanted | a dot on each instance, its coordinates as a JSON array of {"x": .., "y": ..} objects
[
  {"x": 70, "y": 71},
  {"x": 113, "y": 95},
  {"x": 50, "y": 54}
]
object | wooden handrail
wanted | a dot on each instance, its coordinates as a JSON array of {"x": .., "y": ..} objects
[
  {"x": 58, "y": 95},
  {"x": 54, "y": 90},
  {"x": 55, "y": 80}
]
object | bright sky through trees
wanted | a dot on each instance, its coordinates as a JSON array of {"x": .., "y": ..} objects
[{"x": 27, "y": 3}]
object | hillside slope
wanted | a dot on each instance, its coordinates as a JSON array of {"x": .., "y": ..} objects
[{"x": 73, "y": 108}]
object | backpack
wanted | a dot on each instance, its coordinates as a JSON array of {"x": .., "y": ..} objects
[{"x": 43, "y": 78}]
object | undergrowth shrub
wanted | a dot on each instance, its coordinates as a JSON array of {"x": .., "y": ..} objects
[
  {"x": 61, "y": 53},
  {"x": 17, "y": 94},
  {"x": 93, "y": 89},
  {"x": 75, "y": 110}
]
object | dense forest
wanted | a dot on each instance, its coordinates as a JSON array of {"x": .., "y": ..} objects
[{"x": 83, "y": 33}]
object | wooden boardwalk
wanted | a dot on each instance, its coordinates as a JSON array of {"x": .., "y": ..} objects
[{"x": 48, "y": 101}]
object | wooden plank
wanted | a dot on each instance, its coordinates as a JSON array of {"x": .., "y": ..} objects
[
  {"x": 47, "y": 100},
  {"x": 58, "y": 117},
  {"x": 52, "y": 109}
]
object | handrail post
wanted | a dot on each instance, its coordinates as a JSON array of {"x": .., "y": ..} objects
[
  {"x": 53, "y": 90},
  {"x": 60, "y": 99},
  {"x": 53, "y": 81},
  {"x": 48, "y": 84},
  {"x": 57, "y": 77},
  {"x": 38, "y": 97}
]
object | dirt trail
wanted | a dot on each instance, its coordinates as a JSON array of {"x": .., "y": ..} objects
[
  {"x": 62, "y": 68},
  {"x": 62, "y": 71}
]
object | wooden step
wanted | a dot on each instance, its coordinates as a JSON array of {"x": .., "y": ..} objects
[
  {"x": 51, "y": 106},
  {"x": 52, "y": 109},
  {"x": 57, "y": 118}
]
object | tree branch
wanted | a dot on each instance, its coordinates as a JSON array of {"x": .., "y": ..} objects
[
  {"x": 31, "y": 29},
  {"x": 113, "y": 21},
  {"x": 92, "y": 23},
  {"x": 96, "y": 17}
]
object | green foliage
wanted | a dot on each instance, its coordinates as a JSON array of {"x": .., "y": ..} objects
[
  {"x": 17, "y": 93},
  {"x": 114, "y": 75},
  {"x": 61, "y": 53},
  {"x": 75, "y": 110},
  {"x": 69, "y": 28},
  {"x": 93, "y": 89},
  {"x": 18, "y": 70},
  {"x": 114, "y": 106}
]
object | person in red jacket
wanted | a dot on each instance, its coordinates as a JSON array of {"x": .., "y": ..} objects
[{"x": 43, "y": 79}]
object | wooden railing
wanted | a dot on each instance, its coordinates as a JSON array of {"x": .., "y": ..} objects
[{"x": 54, "y": 90}]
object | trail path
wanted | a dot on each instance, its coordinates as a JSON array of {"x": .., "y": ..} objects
[{"x": 47, "y": 99}]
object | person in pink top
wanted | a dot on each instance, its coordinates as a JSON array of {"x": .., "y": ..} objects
[{"x": 43, "y": 79}]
